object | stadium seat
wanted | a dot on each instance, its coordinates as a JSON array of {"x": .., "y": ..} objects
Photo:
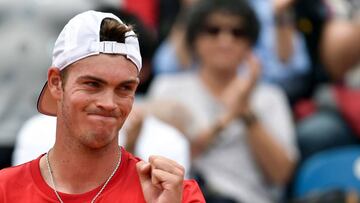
[{"x": 328, "y": 170}]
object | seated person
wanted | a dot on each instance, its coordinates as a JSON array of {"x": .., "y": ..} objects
[{"x": 241, "y": 131}]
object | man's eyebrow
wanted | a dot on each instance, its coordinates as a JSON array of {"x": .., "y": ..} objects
[
  {"x": 130, "y": 81},
  {"x": 99, "y": 80},
  {"x": 89, "y": 77}
]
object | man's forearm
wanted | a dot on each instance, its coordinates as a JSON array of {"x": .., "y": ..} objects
[{"x": 270, "y": 155}]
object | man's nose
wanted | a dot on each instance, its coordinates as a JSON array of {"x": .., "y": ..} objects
[
  {"x": 106, "y": 101},
  {"x": 226, "y": 38}
]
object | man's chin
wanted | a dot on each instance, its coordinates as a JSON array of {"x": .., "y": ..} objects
[{"x": 100, "y": 139}]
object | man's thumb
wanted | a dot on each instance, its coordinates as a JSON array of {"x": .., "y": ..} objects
[{"x": 144, "y": 170}]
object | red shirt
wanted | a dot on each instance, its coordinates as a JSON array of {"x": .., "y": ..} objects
[
  {"x": 348, "y": 101},
  {"x": 24, "y": 183}
]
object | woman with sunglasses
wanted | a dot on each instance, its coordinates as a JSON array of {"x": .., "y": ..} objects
[{"x": 241, "y": 131}]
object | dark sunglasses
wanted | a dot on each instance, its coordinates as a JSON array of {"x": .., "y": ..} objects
[{"x": 237, "y": 32}]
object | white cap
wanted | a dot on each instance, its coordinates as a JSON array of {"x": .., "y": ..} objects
[{"x": 79, "y": 39}]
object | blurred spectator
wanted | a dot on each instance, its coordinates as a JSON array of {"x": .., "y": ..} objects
[
  {"x": 168, "y": 15},
  {"x": 336, "y": 120},
  {"x": 281, "y": 49},
  {"x": 23, "y": 59},
  {"x": 173, "y": 55},
  {"x": 241, "y": 132},
  {"x": 158, "y": 15},
  {"x": 338, "y": 58},
  {"x": 344, "y": 9},
  {"x": 34, "y": 138},
  {"x": 330, "y": 118},
  {"x": 147, "y": 11},
  {"x": 310, "y": 19}
]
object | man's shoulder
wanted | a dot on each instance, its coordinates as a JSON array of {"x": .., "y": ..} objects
[
  {"x": 192, "y": 192},
  {"x": 14, "y": 172},
  {"x": 130, "y": 158}
]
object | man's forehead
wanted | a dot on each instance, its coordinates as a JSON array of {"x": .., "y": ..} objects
[
  {"x": 104, "y": 62},
  {"x": 219, "y": 17},
  {"x": 106, "y": 72}
]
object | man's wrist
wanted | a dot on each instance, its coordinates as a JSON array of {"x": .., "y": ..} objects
[
  {"x": 222, "y": 122},
  {"x": 249, "y": 118},
  {"x": 217, "y": 127}
]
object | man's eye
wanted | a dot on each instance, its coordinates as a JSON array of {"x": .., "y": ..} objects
[
  {"x": 92, "y": 84},
  {"x": 126, "y": 88}
]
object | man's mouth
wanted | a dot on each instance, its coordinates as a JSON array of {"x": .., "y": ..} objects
[{"x": 102, "y": 117}]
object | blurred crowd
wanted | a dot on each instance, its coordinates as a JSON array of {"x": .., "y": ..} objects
[{"x": 240, "y": 92}]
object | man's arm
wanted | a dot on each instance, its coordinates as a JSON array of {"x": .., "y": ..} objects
[
  {"x": 271, "y": 156},
  {"x": 285, "y": 29}
]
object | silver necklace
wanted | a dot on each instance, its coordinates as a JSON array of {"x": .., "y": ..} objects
[{"x": 97, "y": 195}]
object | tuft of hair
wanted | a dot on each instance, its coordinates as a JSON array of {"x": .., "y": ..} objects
[
  {"x": 199, "y": 13},
  {"x": 112, "y": 30}
]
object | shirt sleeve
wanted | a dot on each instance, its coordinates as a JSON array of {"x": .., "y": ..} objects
[
  {"x": 192, "y": 192},
  {"x": 276, "y": 116}
]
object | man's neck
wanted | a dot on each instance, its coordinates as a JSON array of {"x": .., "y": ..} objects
[
  {"x": 216, "y": 80},
  {"x": 79, "y": 171}
]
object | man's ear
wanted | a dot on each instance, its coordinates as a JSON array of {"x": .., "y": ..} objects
[{"x": 55, "y": 83}]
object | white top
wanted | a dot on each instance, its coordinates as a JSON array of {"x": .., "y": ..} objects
[{"x": 229, "y": 166}]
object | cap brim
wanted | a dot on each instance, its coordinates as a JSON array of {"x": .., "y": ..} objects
[{"x": 46, "y": 104}]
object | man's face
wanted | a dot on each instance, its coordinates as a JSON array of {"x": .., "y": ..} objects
[
  {"x": 97, "y": 97},
  {"x": 222, "y": 43}
]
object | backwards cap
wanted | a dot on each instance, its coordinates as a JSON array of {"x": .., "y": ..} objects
[{"x": 79, "y": 39}]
